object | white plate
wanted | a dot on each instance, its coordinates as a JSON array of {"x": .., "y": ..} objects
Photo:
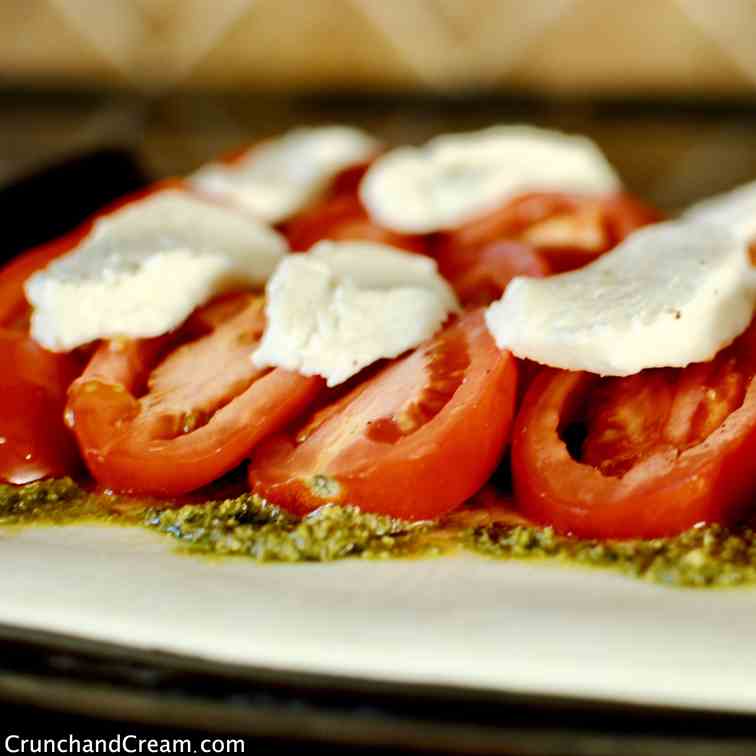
[{"x": 462, "y": 621}]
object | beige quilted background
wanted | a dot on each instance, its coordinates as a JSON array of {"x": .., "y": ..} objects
[{"x": 552, "y": 46}]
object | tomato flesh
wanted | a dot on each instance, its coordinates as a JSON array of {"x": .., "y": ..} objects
[
  {"x": 152, "y": 417},
  {"x": 34, "y": 442},
  {"x": 343, "y": 218},
  {"x": 479, "y": 276},
  {"x": 414, "y": 440},
  {"x": 14, "y": 309},
  {"x": 645, "y": 456},
  {"x": 569, "y": 231}
]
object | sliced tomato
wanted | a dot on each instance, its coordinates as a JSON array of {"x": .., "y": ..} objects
[
  {"x": 645, "y": 456},
  {"x": 568, "y": 230},
  {"x": 34, "y": 442},
  {"x": 342, "y": 217},
  {"x": 624, "y": 214},
  {"x": 414, "y": 440},
  {"x": 13, "y": 305},
  {"x": 480, "y": 275},
  {"x": 156, "y": 418},
  {"x": 347, "y": 181}
]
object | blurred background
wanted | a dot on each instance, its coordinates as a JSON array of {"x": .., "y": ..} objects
[
  {"x": 572, "y": 47},
  {"x": 667, "y": 87}
]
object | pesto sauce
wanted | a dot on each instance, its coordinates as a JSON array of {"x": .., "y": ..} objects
[{"x": 708, "y": 556}]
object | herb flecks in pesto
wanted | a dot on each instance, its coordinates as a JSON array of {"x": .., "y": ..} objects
[
  {"x": 248, "y": 526},
  {"x": 707, "y": 556},
  {"x": 48, "y": 501}
]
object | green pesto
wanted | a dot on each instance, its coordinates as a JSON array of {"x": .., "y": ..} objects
[
  {"x": 248, "y": 526},
  {"x": 703, "y": 557},
  {"x": 51, "y": 502}
]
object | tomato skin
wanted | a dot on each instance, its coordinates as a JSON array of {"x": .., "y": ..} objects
[
  {"x": 13, "y": 305},
  {"x": 509, "y": 221},
  {"x": 348, "y": 180},
  {"x": 356, "y": 448},
  {"x": 568, "y": 231},
  {"x": 624, "y": 214},
  {"x": 34, "y": 381},
  {"x": 667, "y": 490},
  {"x": 342, "y": 217},
  {"x": 153, "y": 443},
  {"x": 36, "y": 444},
  {"x": 479, "y": 276}
]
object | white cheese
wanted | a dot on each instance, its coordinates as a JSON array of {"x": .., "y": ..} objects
[
  {"x": 344, "y": 305},
  {"x": 669, "y": 295},
  {"x": 143, "y": 269},
  {"x": 281, "y": 176},
  {"x": 735, "y": 209},
  {"x": 455, "y": 177}
]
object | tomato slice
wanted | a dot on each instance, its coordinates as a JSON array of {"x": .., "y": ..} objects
[
  {"x": 342, "y": 217},
  {"x": 480, "y": 275},
  {"x": 568, "y": 230},
  {"x": 152, "y": 417},
  {"x": 14, "y": 308},
  {"x": 414, "y": 440},
  {"x": 645, "y": 456},
  {"x": 34, "y": 442}
]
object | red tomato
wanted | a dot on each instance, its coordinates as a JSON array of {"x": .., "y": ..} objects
[
  {"x": 480, "y": 275},
  {"x": 14, "y": 308},
  {"x": 414, "y": 440},
  {"x": 342, "y": 217},
  {"x": 34, "y": 381},
  {"x": 568, "y": 230},
  {"x": 348, "y": 180},
  {"x": 170, "y": 429},
  {"x": 34, "y": 442},
  {"x": 645, "y": 456},
  {"x": 623, "y": 214}
]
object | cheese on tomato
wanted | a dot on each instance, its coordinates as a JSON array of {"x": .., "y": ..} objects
[
  {"x": 281, "y": 176},
  {"x": 735, "y": 210},
  {"x": 455, "y": 177},
  {"x": 143, "y": 269},
  {"x": 345, "y": 305},
  {"x": 669, "y": 295}
]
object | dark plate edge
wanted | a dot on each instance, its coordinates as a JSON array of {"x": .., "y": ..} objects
[{"x": 77, "y": 675}]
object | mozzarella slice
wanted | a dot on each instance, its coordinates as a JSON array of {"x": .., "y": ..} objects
[
  {"x": 143, "y": 269},
  {"x": 735, "y": 209},
  {"x": 458, "y": 176},
  {"x": 669, "y": 295},
  {"x": 344, "y": 305},
  {"x": 281, "y": 176}
]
